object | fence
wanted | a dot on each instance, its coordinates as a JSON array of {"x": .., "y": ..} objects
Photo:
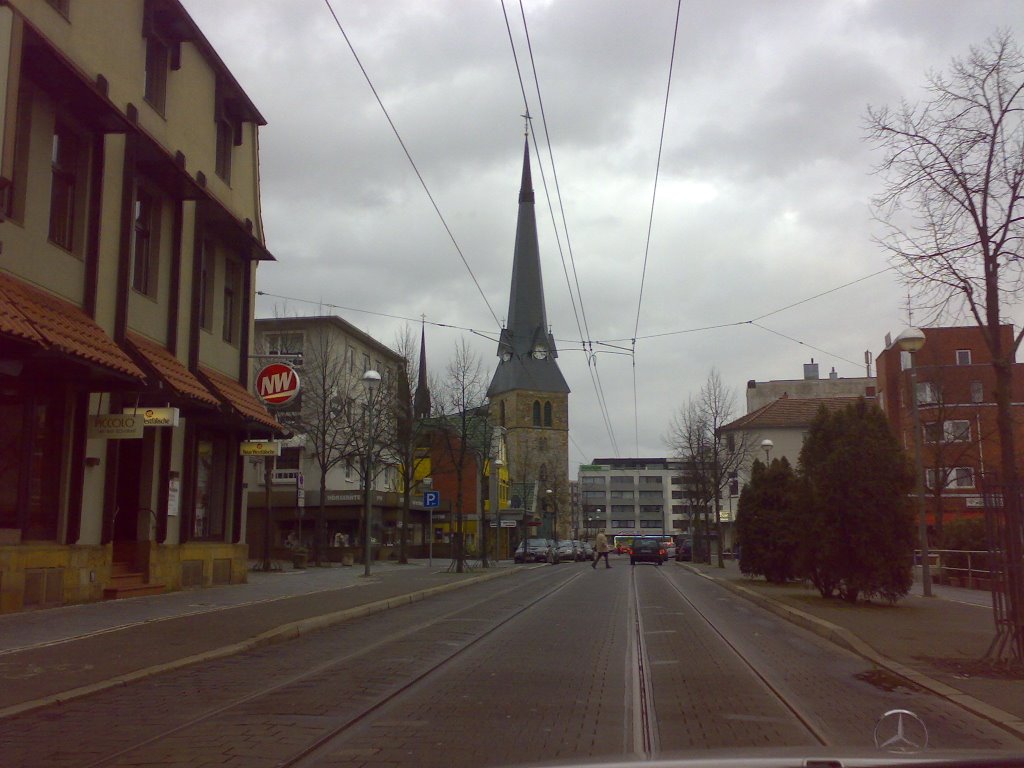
[{"x": 959, "y": 567}]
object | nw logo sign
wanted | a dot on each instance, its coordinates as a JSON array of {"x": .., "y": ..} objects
[{"x": 277, "y": 384}]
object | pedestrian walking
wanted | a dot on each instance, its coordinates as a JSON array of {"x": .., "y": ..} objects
[{"x": 601, "y": 550}]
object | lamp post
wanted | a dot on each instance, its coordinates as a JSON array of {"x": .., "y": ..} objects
[
  {"x": 766, "y": 446},
  {"x": 371, "y": 380},
  {"x": 910, "y": 341}
]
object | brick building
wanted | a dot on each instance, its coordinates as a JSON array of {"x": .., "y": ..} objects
[{"x": 956, "y": 401}]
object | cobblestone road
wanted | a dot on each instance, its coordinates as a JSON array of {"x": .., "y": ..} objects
[{"x": 533, "y": 668}]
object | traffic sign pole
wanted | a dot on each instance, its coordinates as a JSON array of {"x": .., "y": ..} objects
[{"x": 431, "y": 500}]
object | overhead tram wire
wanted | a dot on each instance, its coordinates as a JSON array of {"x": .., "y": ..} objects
[
  {"x": 412, "y": 162},
  {"x": 650, "y": 221},
  {"x": 585, "y": 341}
]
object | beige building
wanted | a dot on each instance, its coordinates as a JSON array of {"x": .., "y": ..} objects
[
  {"x": 330, "y": 356},
  {"x": 761, "y": 393},
  {"x": 130, "y": 238}
]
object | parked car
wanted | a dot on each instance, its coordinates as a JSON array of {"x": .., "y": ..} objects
[
  {"x": 565, "y": 551},
  {"x": 534, "y": 551},
  {"x": 584, "y": 551},
  {"x": 684, "y": 549},
  {"x": 647, "y": 551}
]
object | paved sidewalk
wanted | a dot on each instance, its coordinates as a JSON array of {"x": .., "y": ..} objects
[
  {"x": 936, "y": 642},
  {"x": 61, "y": 653}
]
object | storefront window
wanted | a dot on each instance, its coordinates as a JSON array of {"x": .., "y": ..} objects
[
  {"x": 31, "y": 456},
  {"x": 212, "y": 484}
]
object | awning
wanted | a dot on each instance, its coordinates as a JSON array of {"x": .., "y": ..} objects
[
  {"x": 239, "y": 399},
  {"x": 54, "y": 327},
  {"x": 169, "y": 372}
]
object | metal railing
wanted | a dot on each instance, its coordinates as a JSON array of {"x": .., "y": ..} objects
[{"x": 968, "y": 565}]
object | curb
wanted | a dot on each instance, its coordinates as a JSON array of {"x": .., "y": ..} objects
[
  {"x": 289, "y": 631},
  {"x": 846, "y": 639}
]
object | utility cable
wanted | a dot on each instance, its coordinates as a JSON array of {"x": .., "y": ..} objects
[{"x": 413, "y": 163}]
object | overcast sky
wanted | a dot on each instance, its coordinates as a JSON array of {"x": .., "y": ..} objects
[{"x": 762, "y": 200}]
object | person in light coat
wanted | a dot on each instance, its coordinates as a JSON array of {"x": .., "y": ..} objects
[{"x": 601, "y": 550}]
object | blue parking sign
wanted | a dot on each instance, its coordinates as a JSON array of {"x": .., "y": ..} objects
[{"x": 432, "y": 499}]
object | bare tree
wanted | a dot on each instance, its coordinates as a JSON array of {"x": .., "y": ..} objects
[
  {"x": 695, "y": 433},
  {"x": 955, "y": 163},
  {"x": 409, "y": 432},
  {"x": 461, "y": 401},
  {"x": 322, "y": 414}
]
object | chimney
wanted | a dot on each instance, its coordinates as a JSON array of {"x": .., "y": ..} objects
[
  {"x": 810, "y": 370},
  {"x": 832, "y": 374}
]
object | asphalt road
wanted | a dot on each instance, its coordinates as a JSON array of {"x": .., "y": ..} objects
[{"x": 552, "y": 664}]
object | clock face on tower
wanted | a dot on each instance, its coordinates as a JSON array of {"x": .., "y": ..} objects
[{"x": 539, "y": 352}]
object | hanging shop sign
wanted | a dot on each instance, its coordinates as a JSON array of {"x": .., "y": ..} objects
[
  {"x": 277, "y": 384},
  {"x": 156, "y": 417},
  {"x": 260, "y": 448},
  {"x": 115, "y": 426}
]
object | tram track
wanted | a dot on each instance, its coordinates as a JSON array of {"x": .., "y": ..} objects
[
  {"x": 806, "y": 722},
  {"x": 307, "y": 755}
]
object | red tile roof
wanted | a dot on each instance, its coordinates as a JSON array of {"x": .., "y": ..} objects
[
  {"x": 180, "y": 380},
  {"x": 57, "y": 325},
  {"x": 239, "y": 398},
  {"x": 792, "y": 412}
]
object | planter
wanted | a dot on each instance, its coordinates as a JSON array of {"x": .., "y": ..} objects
[
  {"x": 347, "y": 559},
  {"x": 299, "y": 560}
]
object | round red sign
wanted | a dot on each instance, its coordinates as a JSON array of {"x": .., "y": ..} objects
[{"x": 277, "y": 384}]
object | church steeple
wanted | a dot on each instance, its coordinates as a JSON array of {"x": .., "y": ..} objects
[
  {"x": 421, "y": 402},
  {"x": 526, "y": 348}
]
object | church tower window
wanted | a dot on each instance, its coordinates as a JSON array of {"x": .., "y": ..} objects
[
  {"x": 536, "y": 413},
  {"x": 547, "y": 414}
]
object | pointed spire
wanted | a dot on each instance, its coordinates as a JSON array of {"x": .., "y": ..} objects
[
  {"x": 421, "y": 404},
  {"x": 526, "y": 348},
  {"x": 526, "y": 188}
]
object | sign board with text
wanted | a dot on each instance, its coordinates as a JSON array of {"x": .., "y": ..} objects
[
  {"x": 260, "y": 448},
  {"x": 277, "y": 384},
  {"x": 115, "y": 426},
  {"x": 156, "y": 417}
]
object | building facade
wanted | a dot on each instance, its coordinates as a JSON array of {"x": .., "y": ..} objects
[
  {"x": 957, "y": 406},
  {"x": 130, "y": 238},
  {"x": 637, "y": 496},
  {"x": 528, "y": 395},
  {"x": 330, "y": 356},
  {"x": 761, "y": 393}
]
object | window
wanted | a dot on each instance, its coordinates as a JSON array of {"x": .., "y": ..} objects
[
  {"x": 730, "y": 442},
  {"x": 213, "y": 486},
  {"x": 651, "y": 496},
  {"x": 963, "y": 357},
  {"x": 350, "y": 359},
  {"x": 622, "y": 494},
  {"x": 31, "y": 433},
  {"x": 594, "y": 481},
  {"x": 232, "y": 290},
  {"x": 622, "y": 480},
  {"x": 547, "y": 414},
  {"x": 926, "y": 393},
  {"x": 349, "y": 470},
  {"x": 651, "y": 523},
  {"x": 156, "y": 73},
  {"x": 977, "y": 392},
  {"x": 678, "y": 509},
  {"x": 283, "y": 343},
  {"x": 290, "y": 458},
  {"x": 905, "y": 360},
  {"x": 225, "y": 144},
  {"x": 66, "y": 158},
  {"x": 12, "y": 199},
  {"x": 677, "y": 494},
  {"x": 651, "y": 509},
  {"x": 624, "y": 523},
  {"x": 145, "y": 243},
  {"x": 953, "y": 431},
  {"x": 957, "y": 477},
  {"x": 536, "y": 413},
  {"x": 207, "y": 260},
  {"x": 366, "y": 362},
  {"x": 650, "y": 480},
  {"x": 593, "y": 497},
  {"x": 957, "y": 431}
]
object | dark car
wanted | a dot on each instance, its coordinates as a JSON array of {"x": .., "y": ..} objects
[
  {"x": 684, "y": 550},
  {"x": 647, "y": 551},
  {"x": 537, "y": 551}
]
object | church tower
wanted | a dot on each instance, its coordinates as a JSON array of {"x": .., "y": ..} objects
[{"x": 528, "y": 394}]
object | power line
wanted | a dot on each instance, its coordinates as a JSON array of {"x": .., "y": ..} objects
[{"x": 412, "y": 163}]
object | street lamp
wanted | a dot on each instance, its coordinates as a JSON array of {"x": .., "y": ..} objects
[
  {"x": 766, "y": 446},
  {"x": 371, "y": 381},
  {"x": 910, "y": 341}
]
